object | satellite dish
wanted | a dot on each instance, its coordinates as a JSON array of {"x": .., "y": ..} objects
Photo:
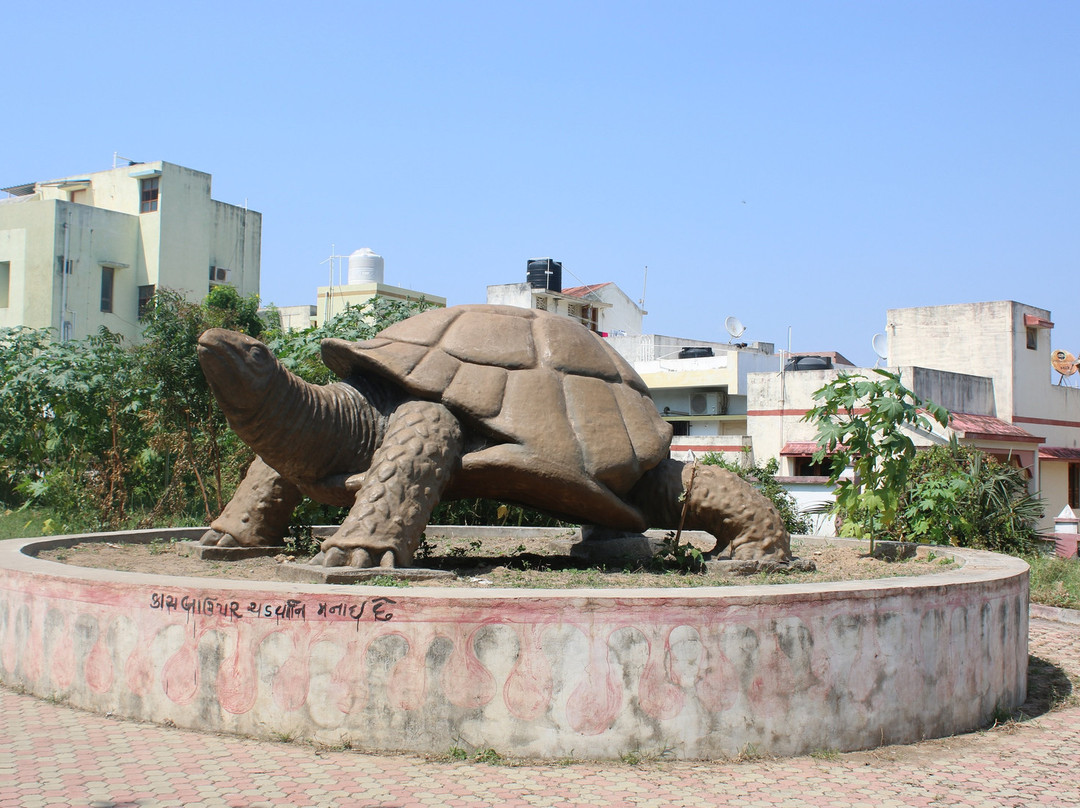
[
  {"x": 881, "y": 347},
  {"x": 734, "y": 327},
  {"x": 1064, "y": 363}
]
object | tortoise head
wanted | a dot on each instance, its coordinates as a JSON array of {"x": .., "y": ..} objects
[{"x": 240, "y": 369}]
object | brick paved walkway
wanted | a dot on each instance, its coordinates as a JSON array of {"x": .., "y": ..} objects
[{"x": 51, "y": 755}]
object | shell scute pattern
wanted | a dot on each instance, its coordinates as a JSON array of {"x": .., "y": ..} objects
[
  {"x": 490, "y": 338},
  {"x": 519, "y": 375}
]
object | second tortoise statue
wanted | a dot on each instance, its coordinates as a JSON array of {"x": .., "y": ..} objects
[{"x": 469, "y": 401}]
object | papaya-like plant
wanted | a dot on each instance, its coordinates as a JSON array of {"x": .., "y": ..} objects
[{"x": 864, "y": 424}]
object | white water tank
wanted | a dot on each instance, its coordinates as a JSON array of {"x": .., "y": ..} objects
[{"x": 365, "y": 266}]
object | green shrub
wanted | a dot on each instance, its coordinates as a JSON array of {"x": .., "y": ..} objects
[
  {"x": 961, "y": 496},
  {"x": 99, "y": 432}
]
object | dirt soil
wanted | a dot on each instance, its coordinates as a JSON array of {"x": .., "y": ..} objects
[{"x": 530, "y": 563}]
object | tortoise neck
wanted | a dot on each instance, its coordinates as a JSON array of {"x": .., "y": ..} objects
[{"x": 307, "y": 432}]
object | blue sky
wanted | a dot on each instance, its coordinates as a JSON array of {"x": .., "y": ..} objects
[{"x": 803, "y": 165}]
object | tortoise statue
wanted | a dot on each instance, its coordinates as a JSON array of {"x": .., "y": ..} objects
[{"x": 468, "y": 401}]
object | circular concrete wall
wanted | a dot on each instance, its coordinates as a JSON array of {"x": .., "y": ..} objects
[{"x": 693, "y": 673}]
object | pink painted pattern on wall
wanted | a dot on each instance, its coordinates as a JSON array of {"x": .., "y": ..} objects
[{"x": 577, "y": 671}]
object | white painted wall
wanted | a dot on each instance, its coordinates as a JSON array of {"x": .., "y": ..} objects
[
  {"x": 811, "y": 494},
  {"x": 617, "y": 311},
  {"x": 775, "y": 405},
  {"x": 624, "y": 315},
  {"x": 294, "y": 318},
  {"x": 26, "y": 303}
]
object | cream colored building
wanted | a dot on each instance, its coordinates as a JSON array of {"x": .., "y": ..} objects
[
  {"x": 1008, "y": 343},
  {"x": 366, "y": 271},
  {"x": 987, "y": 363},
  {"x": 89, "y": 250}
]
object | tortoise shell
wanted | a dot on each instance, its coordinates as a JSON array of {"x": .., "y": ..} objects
[{"x": 543, "y": 393}]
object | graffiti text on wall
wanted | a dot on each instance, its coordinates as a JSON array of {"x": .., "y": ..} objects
[{"x": 377, "y": 609}]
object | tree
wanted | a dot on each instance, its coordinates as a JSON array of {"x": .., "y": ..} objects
[{"x": 861, "y": 423}]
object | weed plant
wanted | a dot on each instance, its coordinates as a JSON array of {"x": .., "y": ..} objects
[{"x": 1055, "y": 581}]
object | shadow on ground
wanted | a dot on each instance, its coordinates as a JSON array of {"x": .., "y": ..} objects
[{"x": 1048, "y": 687}]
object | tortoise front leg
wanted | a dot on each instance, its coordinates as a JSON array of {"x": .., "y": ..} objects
[
  {"x": 258, "y": 514},
  {"x": 409, "y": 471}
]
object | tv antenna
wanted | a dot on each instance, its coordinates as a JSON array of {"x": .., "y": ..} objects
[
  {"x": 644, "y": 283},
  {"x": 330, "y": 279},
  {"x": 880, "y": 344},
  {"x": 734, "y": 327}
]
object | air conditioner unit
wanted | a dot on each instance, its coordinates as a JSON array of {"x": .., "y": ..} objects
[
  {"x": 219, "y": 274},
  {"x": 708, "y": 403}
]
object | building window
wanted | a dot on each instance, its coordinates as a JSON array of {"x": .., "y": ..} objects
[
  {"x": 5, "y": 284},
  {"x": 146, "y": 294},
  {"x": 107, "y": 288},
  {"x": 1074, "y": 485},
  {"x": 806, "y": 467},
  {"x": 148, "y": 194},
  {"x": 1032, "y": 339},
  {"x": 590, "y": 317}
]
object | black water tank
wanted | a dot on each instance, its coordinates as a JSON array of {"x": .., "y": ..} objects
[
  {"x": 543, "y": 273},
  {"x": 695, "y": 352}
]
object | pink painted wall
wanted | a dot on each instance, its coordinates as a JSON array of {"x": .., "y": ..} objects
[{"x": 585, "y": 673}]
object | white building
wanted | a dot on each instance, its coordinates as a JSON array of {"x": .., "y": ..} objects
[
  {"x": 700, "y": 388},
  {"x": 601, "y": 307},
  {"x": 294, "y": 318},
  {"x": 90, "y": 250},
  {"x": 365, "y": 281}
]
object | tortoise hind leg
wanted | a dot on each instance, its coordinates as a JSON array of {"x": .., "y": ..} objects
[
  {"x": 720, "y": 502},
  {"x": 408, "y": 474}
]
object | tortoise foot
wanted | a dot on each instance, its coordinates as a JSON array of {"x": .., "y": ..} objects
[
  {"x": 354, "y": 557},
  {"x": 215, "y": 538}
]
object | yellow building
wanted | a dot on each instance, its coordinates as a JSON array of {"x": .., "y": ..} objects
[
  {"x": 365, "y": 281},
  {"x": 90, "y": 250}
]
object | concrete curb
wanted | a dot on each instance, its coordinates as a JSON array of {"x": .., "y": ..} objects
[{"x": 1070, "y": 616}]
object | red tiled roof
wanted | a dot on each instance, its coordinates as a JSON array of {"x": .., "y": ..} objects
[
  {"x": 799, "y": 448},
  {"x": 1058, "y": 453},
  {"x": 581, "y": 291},
  {"x": 989, "y": 428}
]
